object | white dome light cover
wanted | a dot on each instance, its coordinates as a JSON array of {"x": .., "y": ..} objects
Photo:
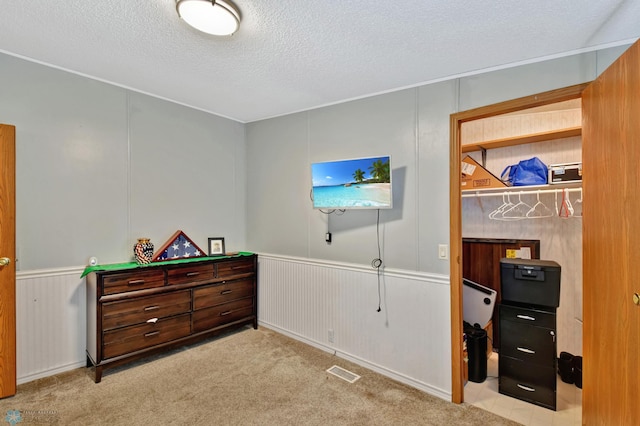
[{"x": 216, "y": 17}]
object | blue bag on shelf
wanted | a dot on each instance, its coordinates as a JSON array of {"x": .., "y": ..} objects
[{"x": 526, "y": 172}]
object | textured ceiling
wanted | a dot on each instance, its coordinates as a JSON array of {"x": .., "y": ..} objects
[{"x": 294, "y": 55}]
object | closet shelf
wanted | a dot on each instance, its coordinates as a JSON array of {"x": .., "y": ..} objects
[
  {"x": 518, "y": 140},
  {"x": 531, "y": 189}
]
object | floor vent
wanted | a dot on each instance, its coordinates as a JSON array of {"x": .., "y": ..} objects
[{"x": 343, "y": 374}]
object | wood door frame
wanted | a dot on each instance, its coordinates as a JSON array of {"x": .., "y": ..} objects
[
  {"x": 455, "y": 209},
  {"x": 8, "y": 372}
]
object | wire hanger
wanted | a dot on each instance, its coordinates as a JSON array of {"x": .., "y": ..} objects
[
  {"x": 518, "y": 211},
  {"x": 539, "y": 209},
  {"x": 579, "y": 200},
  {"x": 506, "y": 204},
  {"x": 566, "y": 209}
]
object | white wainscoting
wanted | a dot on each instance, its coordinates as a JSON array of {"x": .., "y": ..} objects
[
  {"x": 408, "y": 340},
  {"x": 50, "y": 322}
]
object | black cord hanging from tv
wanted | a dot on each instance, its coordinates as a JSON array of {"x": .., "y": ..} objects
[{"x": 377, "y": 262}]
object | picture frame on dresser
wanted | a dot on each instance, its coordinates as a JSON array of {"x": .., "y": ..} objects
[{"x": 216, "y": 246}]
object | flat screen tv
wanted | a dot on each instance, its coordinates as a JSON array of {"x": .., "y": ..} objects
[{"x": 360, "y": 183}]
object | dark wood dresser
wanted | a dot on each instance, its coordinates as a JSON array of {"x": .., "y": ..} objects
[{"x": 134, "y": 312}]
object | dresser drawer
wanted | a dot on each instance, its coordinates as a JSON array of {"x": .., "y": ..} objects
[
  {"x": 527, "y": 382},
  {"x": 142, "y": 309},
  {"x": 138, "y": 310},
  {"x": 130, "y": 339},
  {"x": 222, "y": 293},
  {"x": 230, "y": 268},
  {"x": 191, "y": 274},
  {"x": 528, "y": 343},
  {"x": 208, "y": 318},
  {"x": 129, "y": 281},
  {"x": 528, "y": 316}
]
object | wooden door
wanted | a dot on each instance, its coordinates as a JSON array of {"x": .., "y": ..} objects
[
  {"x": 7, "y": 272},
  {"x": 611, "y": 237}
]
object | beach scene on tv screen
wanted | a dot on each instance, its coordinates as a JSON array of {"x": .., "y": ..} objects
[{"x": 358, "y": 183}]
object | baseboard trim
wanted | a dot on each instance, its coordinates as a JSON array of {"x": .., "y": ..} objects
[
  {"x": 51, "y": 372},
  {"x": 425, "y": 387}
]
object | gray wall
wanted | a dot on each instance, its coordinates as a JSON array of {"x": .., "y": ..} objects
[
  {"x": 280, "y": 152},
  {"x": 98, "y": 166},
  {"x": 413, "y": 127}
]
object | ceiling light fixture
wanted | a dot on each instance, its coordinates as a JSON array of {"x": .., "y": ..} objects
[{"x": 215, "y": 17}]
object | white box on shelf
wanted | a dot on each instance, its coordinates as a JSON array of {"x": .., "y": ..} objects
[{"x": 565, "y": 172}]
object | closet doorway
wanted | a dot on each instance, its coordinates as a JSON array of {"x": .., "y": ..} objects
[
  {"x": 611, "y": 294},
  {"x": 456, "y": 122}
]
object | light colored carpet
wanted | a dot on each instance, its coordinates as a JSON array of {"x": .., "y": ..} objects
[{"x": 250, "y": 377}]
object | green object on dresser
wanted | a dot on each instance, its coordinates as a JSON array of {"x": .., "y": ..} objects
[{"x": 133, "y": 265}]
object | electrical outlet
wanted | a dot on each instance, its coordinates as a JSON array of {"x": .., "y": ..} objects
[
  {"x": 330, "y": 335},
  {"x": 443, "y": 251}
]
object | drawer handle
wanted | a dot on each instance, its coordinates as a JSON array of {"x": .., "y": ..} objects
[
  {"x": 226, "y": 292},
  {"x": 152, "y": 308},
  {"x": 527, "y": 388},
  {"x": 225, "y": 313},
  {"x": 155, "y": 333},
  {"x": 193, "y": 274},
  {"x": 526, "y": 317},
  {"x": 135, "y": 282},
  {"x": 152, "y": 320},
  {"x": 525, "y": 350}
]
